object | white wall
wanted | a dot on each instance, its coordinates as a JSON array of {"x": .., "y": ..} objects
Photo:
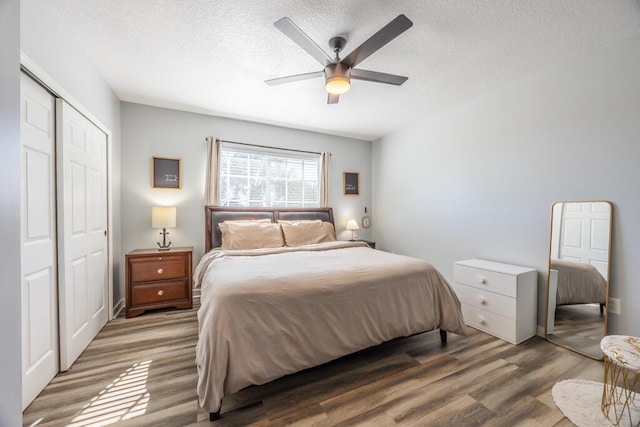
[
  {"x": 479, "y": 180},
  {"x": 150, "y": 131},
  {"x": 52, "y": 45},
  {"x": 10, "y": 359}
]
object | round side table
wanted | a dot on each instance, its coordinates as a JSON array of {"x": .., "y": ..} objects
[{"x": 621, "y": 376}]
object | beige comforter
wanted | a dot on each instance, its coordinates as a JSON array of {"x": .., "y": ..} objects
[
  {"x": 266, "y": 313},
  {"x": 578, "y": 283}
]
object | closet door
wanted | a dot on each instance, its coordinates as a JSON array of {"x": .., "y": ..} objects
[
  {"x": 38, "y": 236},
  {"x": 82, "y": 231}
]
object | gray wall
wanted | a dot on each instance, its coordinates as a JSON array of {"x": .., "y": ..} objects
[
  {"x": 150, "y": 131},
  {"x": 52, "y": 45},
  {"x": 10, "y": 360},
  {"x": 479, "y": 180}
]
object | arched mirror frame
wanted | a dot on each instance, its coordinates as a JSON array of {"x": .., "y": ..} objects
[{"x": 608, "y": 278}]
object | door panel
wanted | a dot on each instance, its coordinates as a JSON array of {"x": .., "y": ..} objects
[
  {"x": 38, "y": 287},
  {"x": 40, "y": 354},
  {"x": 97, "y": 261},
  {"x": 78, "y": 198},
  {"x": 82, "y": 188},
  {"x": 78, "y": 287},
  {"x": 38, "y": 197},
  {"x": 584, "y": 235}
]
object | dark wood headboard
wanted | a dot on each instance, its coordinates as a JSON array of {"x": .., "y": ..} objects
[{"x": 214, "y": 215}]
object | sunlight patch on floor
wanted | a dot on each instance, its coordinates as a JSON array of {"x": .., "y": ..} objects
[{"x": 125, "y": 398}]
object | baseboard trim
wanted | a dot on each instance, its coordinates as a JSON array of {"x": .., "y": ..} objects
[
  {"x": 196, "y": 294},
  {"x": 117, "y": 309},
  {"x": 540, "y": 331}
]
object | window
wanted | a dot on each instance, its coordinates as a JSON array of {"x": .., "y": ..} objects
[{"x": 254, "y": 177}]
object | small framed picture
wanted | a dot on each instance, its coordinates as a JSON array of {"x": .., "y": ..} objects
[
  {"x": 166, "y": 173},
  {"x": 351, "y": 183}
]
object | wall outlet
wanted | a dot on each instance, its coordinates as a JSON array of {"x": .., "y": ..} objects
[{"x": 614, "y": 305}]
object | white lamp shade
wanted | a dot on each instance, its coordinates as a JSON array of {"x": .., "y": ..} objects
[
  {"x": 163, "y": 217},
  {"x": 352, "y": 224}
]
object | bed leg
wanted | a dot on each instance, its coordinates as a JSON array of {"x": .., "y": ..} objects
[
  {"x": 443, "y": 336},
  {"x": 601, "y": 308},
  {"x": 213, "y": 416}
]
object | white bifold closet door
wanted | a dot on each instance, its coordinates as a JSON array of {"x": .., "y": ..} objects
[
  {"x": 82, "y": 231},
  {"x": 39, "y": 285}
]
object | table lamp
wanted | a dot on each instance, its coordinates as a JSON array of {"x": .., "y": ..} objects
[
  {"x": 163, "y": 217},
  {"x": 352, "y": 225}
]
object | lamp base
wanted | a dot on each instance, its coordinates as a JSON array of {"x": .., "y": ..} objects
[{"x": 164, "y": 246}]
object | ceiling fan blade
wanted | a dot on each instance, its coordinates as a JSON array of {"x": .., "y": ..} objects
[
  {"x": 333, "y": 98},
  {"x": 294, "y": 32},
  {"x": 389, "y": 32},
  {"x": 294, "y": 78},
  {"x": 374, "y": 76}
]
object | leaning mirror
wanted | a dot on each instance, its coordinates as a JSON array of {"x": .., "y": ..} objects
[{"x": 578, "y": 279}]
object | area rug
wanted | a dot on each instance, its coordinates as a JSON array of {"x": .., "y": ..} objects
[{"x": 580, "y": 400}]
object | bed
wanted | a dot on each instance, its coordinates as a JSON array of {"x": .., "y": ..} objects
[
  {"x": 578, "y": 283},
  {"x": 272, "y": 311}
]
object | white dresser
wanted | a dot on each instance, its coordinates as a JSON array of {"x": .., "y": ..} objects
[{"x": 500, "y": 299}]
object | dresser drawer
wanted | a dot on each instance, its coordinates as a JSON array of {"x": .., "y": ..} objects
[
  {"x": 485, "y": 300},
  {"x": 491, "y": 323},
  {"x": 161, "y": 268},
  {"x": 152, "y": 293},
  {"x": 492, "y": 281}
]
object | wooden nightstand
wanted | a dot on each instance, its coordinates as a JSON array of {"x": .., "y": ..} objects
[
  {"x": 158, "y": 279},
  {"x": 371, "y": 244}
]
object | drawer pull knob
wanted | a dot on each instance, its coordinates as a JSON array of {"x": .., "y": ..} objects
[
  {"x": 482, "y": 300},
  {"x": 481, "y": 279},
  {"x": 160, "y": 270},
  {"x": 160, "y": 292},
  {"x": 481, "y": 320}
]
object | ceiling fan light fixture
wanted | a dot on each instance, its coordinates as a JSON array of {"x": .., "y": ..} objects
[
  {"x": 337, "y": 84},
  {"x": 338, "y": 72},
  {"x": 337, "y": 79}
]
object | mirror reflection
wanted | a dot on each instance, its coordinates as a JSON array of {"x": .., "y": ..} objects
[{"x": 578, "y": 280}]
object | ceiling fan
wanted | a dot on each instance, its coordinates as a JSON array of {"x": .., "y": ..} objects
[{"x": 339, "y": 72}]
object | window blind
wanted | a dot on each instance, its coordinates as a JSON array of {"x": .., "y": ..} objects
[{"x": 259, "y": 177}]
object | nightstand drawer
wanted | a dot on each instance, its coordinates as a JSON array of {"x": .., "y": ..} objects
[
  {"x": 498, "y": 283},
  {"x": 152, "y": 293},
  {"x": 485, "y": 300},
  {"x": 161, "y": 268}
]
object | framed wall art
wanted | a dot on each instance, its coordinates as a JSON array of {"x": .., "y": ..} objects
[
  {"x": 351, "y": 183},
  {"x": 166, "y": 173}
]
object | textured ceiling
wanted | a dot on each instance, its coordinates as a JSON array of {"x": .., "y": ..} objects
[{"x": 212, "y": 56}]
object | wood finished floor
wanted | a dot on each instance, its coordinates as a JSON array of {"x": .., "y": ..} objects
[
  {"x": 579, "y": 326},
  {"x": 141, "y": 372}
]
